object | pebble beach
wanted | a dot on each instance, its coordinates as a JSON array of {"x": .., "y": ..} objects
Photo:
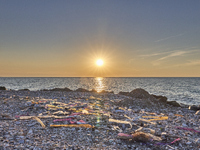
[{"x": 53, "y": 119}]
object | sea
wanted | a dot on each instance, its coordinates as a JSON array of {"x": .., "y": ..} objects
[{"x": 184, "y": 90}]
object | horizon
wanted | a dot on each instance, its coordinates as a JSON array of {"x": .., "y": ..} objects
[
  {"x": 100, "y": 77},
  {"x": 130, "y": 38}
]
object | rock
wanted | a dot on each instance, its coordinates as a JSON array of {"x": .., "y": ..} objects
[
  {"x": 30, "y": 131},
  {"x": 188, "y": 143},
  {"x": 124, "y": 93},
  {"x": 2, "y": 88},
  {"x": 194, "y": 107},
  {"x": 81, "y": 90},
  {"x": 61, "y": 89},
  {"x": 103, "y": 91},
  {"x": 21, "y": 141},
  {"x": 93, "y": 90},
  {"x": 141, "y": 94},
  {"x": 17, "y": 123},
  {"x": 184, "y": 125},
  {"x": 173, "y": 103},
  {"x": 160, "y": 98},
  {"x": 24, "y": 90}
]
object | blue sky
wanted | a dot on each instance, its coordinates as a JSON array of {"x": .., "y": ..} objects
[{"x": 134, "y": 38}]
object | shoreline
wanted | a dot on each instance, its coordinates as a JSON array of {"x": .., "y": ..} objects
[{"x": 19, "y": 133}]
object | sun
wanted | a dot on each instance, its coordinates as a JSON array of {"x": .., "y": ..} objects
[{"x": 99, "y": 62}]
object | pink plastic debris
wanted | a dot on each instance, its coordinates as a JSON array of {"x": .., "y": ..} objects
[
  {"x": 81, "y": 122},
  {"x": 188, "y": 129}
]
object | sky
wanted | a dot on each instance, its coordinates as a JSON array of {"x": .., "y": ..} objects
[{"x": 134, "y": 38}]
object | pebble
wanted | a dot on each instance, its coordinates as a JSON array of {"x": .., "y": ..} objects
[
  {"x": 17, "y": 123},
  {"x": 188, "y": 143}
]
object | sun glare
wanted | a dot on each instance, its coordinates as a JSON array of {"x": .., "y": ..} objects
[{"x": 99, "y": 62}]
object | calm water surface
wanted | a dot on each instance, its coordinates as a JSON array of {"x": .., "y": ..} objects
[{"x": 185, "y": 90}]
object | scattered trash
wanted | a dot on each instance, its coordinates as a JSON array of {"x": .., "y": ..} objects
[
  {"x": 42, "y": 124},
  {"x": 72, "y": 125},
  {"x": 188, "y": 129},
  {"x": 139, "y": 137},
  {"x": 120, "y": 122},
  {"x": 101, "y": 118}
]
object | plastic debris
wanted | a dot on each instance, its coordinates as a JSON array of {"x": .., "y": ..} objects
[
  {"x": 178, "y": 115},
  {"x": 188, "y": 129},
  {"x": 81, "y": 122},
  {"x": 73, "y": 125},
  {"x": 121, "y": 122},
  {"x": 124, "y": 136},
  {"x": 42, "y": 124},
  {"x": 154, "y": 123},
  {"x": 178, "y": 139},
  {"x": 60, "y": 113},
  {"x": 156, "y": 118}
]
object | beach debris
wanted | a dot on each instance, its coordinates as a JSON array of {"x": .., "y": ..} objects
[
  {"x": 139, "y": 137},
  {"x": 188, "y": 129},
  {"x": 120, "y": 122},
  {"x": 148, "y": 121},
  {"x": 156, "y": 118},
  {"x": 42, "y": 124},
  {"x": 94, "y": 120},
  {"x": 73, "y": 125}
]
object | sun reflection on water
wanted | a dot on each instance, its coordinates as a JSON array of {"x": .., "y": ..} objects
[{"x": 99, "y": 85}]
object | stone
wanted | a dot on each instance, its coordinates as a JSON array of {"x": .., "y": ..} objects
[
  {"x": 173, "y": 103},
  {"x": 24, "y": 90},
  {"x": 141, "y": 94},
  {"x": 17, "y": 123},
  {"x": 2, "y": 88},
  {"x": 21, "y": 141},
  {"x": 30, "y": 131},
  {"x": 81, "y": 90},
  {"x": 194, "y": 107},
  {"x": 61, "y": 89},
  {"x": 188, "y": 143},
  {"x": 160, "y": 98},
  {"x": 124, "y": 93}
]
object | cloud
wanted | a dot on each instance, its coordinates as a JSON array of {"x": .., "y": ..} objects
[
  {"x": 172, "y": 54},
  {"x": 155, "y": 54},
  {"x": 169, "y": 37}
]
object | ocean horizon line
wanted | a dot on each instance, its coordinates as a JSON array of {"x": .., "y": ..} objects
[{"x": 100, "y": 77}]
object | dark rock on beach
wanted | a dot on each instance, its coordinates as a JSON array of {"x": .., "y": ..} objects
[
  {"x": 107, "y": 91},
  {"x": 173, "y": 103},
  {"x": 61, "y": 89},
  {"x": 138, "y": 93},
  {"x": 194, "y": 107},
  {"x": 93, "y": 90},
  {"x": 160, "y": 98},
  {"x": 148, "y": 98},
  {"x": 124, "y": 93},
  {"x": 24, "y": 90},
  {"x": 81, "y": 90},
  {"x": 141, "y": 94},
  {"x": 2, "y": 88}
]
